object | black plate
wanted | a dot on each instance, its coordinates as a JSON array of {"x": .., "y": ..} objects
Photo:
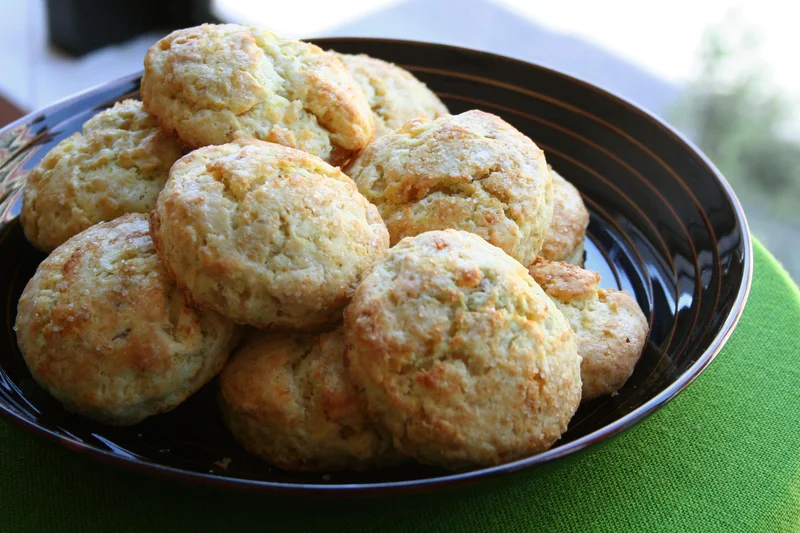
[{"x": 665, "y": 226}]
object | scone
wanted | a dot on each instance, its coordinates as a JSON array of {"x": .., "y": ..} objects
[
  {"x": 117, "y": 165},
  {"x": 609, "y": 325},
  {"x": 267, "y": 235},
  {"x": 394, "y": 94},
  {"x": 104, "y": 329},
  {"x": 564, "y": 239},
  {"x": 212, "y": 84},
  {"x": 462, "y": 358},
  {"x": 288, "y": 399},
  {"x": 472, "y": 172}
]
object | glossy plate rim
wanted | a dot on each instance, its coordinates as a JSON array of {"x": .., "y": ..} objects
[{"x": 457, "y": 478}]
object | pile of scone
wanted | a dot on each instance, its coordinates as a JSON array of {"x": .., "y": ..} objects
[{"x": 373, "y": 279}]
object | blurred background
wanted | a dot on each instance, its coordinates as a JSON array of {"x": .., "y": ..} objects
[{"x": 725, "y": 73}]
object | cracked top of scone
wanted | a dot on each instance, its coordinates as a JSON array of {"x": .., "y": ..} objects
[
  {"x": 394, "y": 94},
  {"x": 212, "y": 84},
  {"x": 461, "y": 356},
  {"x": 610, "y": 327},
  {"x": 117, "y": 165},
  {"x": 472, "y": 172},
  {"x": 104, "y": 329},
  {"x": 564, "y": 239},
  {"x": 267, "y": 235},
  {"x": 289, "y": 399}
]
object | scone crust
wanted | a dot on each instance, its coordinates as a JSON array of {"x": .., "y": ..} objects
[
  {"x": 564, "y": 239},
  {"x": 577, "y": 256},
  {"x": 267, "y": 235},
  {"x": 104, "y": 329},
  {"x": 472, "y": 172},
  {"x": 462, "y": 358},
  {"x": 394, "y": 94},
  {"x": 118, "y": 165},
  {"x": 212, "y": 84},
  {"x": 610, "y": 327},
  {"x": 289, "y": 400}
]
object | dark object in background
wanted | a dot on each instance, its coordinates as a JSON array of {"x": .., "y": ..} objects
[
  {"x": 8, "y": 112},
  {"x": 79, "y": 26}
]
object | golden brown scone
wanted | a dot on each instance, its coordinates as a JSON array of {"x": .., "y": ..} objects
[
  {"x": 288, "y": 399},
  {"x": 462, "y": 358},
  {"x": 577, "y": 256},
  {"x": 564, "y": 240},
  {"x": 394, "y": 94},
  {"x": 117, "y": 165},
  {"x": 212, "y": 84},
  {"x": 104, "y": 329},
  {"x": 267, "y": 235},
  {"x": 610, "y": 327},
  {"x": 472, "y": 172}
]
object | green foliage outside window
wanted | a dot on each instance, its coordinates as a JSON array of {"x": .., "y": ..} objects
[{"x": 744, "y": 124}]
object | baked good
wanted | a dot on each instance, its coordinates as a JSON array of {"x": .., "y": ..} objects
[
  {"x": 213, "y": 83},
  {"x": 267, "y": 235},
  {"x": 289, "y": 399},
  {"x": 394, "y": 94},
  {"x": 564, "y": 239},
  {"x": 462, "y": 358},
  {"x": 472, "y": 172},
  {"x": 117, "y": 165},
  {"x": 577, "y": 256},
  {"x": 609, "y": 325},
  {"x": 103, "y": 328}
]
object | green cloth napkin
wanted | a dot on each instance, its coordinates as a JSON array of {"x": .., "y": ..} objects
[{"x": 722, "y": 456}]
